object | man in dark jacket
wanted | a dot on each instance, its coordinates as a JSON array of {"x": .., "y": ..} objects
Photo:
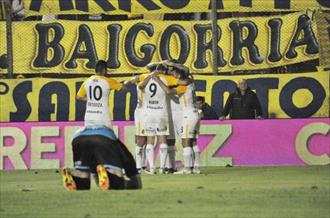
[
  {"x": 242, "y": 104},
  {"x": 205, "y": 110}
]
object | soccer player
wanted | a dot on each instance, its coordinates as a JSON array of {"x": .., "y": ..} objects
[
  {"x": 190, "y": 117},
  {"x": 156, "y": 109},
  {"x": 95, "y": 147},
  {"x": 139, "y": 119}
]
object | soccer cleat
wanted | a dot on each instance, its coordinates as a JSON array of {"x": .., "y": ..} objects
[
  {"x": 162, "y": 171},
  {"x": 184, "y": 171},
  {"x": 68, "y": 181},
  {"x": 196, "y": 170},
  {"x": 104, "y": 183}
]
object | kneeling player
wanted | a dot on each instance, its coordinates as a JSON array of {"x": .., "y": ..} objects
[{"x": 97, "y": 149}]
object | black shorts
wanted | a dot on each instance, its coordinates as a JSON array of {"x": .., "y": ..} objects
[{"x": 92, "y": 150}]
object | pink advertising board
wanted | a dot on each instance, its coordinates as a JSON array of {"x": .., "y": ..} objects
[{"x": 46, "y": 145}]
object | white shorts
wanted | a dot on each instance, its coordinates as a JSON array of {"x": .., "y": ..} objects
[
  {"x": 175, "y": 123},
  {"x": 156, "y": 124},
  {"x": 190, "y": 124},
  {"x": 139, "y": 115}
]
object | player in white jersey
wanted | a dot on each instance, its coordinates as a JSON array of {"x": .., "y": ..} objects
[
  {"x": 95, "y": 90},
  {"x": 190, "y": 117},
  {"x": 155, "y": 104},
  {"x": 95, "y": 147},
  {"x": 139, "y": 120}
]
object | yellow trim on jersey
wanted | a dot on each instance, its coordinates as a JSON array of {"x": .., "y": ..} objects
[
  {"x": 171, "y": 81},
  {"x": 185, "y": 102},
  {"x": 181, "y": 89},
  {"x": 187, "y": 131}
]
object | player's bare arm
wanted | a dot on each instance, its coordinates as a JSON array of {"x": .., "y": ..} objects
[{"x": 144, "y": 83}]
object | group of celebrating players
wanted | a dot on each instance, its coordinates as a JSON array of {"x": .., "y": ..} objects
[{"x": 165, "y": 109}]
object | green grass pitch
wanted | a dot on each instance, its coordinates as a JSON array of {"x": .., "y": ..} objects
[{"x": 278, "y": 192}]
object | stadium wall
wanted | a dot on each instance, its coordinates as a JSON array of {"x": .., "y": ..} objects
[{"x": 299, "y": 142}]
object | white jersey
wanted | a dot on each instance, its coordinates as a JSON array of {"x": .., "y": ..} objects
[
  {"x": 97, "y": 89},
  {"x": 154, "y": 97},
  {"x": 188, "y": 99}
]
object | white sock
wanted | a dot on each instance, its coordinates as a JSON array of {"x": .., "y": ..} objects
[
  {"x": 163, "y": 154},
  {"x": 187, "y": 157},
  {"x": 196, "y": 156},
  {"x": 171, "y": 157},
  {"x": 150, "y": 155},
  {"x": 138, "y": 156}
]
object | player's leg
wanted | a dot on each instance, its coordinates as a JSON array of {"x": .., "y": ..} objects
[
  {"x": 139, "y": 152},
  {"x": 140, "y": 139},
  {"x": 187, "y": 155},
  {"x": 162, "y": 132},
  {"x": 163, "y": 153},
  {"x": 170, "y": 161},
  {"x": 134, "y": 179},
  {"x": 109, "y": 163},
  {"x": 79, "y": 178},
  {"x": 196, "y": 157},
  {"x": 150, "y": 154}
]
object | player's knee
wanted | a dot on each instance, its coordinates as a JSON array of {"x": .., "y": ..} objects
[
  {"x": 134, "y": 182},
  {"x": 116, "y": 182}
]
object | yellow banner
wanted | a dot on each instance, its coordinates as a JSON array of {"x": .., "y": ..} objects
[
  {"x": 281, "y": 96},
  {"x": 39, "y": 7},
  {"x": 3, "y": 46},
  {"x": 323, "y": 27},
  {"x": 128, "y": 46}
]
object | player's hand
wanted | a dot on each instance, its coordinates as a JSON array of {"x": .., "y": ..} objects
[{"x": 221, "y": 118}]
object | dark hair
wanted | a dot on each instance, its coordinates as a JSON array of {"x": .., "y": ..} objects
[
  {"x": 162, "y": 68},
  {"x": 200, "y": 98},
  {"x": 100, "y": 65}
]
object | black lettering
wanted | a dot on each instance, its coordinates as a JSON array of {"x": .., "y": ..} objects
[
  {"x": 47, "y": 107},
  {"x": 286, "y": 101},
  {"x": 219, "y": 4},
  {"x": 21, "y": 101},
  {"x": 147, "y": 49},
  {"x": 80, "y": 106},
  {"x": 175, "y": 4},
  {"x": 246, "y": 3},
  {"x": 203, "y": 46},
  {"x": 113, "y": 59},
  {"x": 86, "y": 37},
  {"x": 239, "y": 43},
  {"x": 262, "y": 87},
  {"x": 165, "y": 40},
  {"x": 218, "y": 90},
  {"x": 324, "y": 3},
  {"x": 105, "y": 5},
  {"x": 309, "y": 39},
  {"x": 35, "y": 5},
  {"x": 282, "y": 4},
  {"x": 125, "y": 5},
  {"x": 42, "y": 59},
  {"x": 82, "y": 5},
  {"x": 149, "y": 5},
  {"x": 3, "y": 61},
  {"x": 200, "y": 85},
  {"x": 5, "y": 88},
  {"x": 275, "y": 36},
  {"x": 120, "y": 103}
]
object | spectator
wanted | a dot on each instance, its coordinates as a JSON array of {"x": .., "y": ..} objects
[
  {"x": 242, "y": 104},
  {"x": 207, "y": 112}
]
